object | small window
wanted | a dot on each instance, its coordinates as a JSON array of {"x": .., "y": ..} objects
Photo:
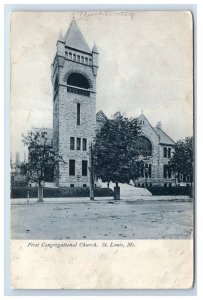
[
  {"x": 86, "y": 60},
  {"x": 84, "y": 144},
  {"x": 90, "y": 61},
  {"x": 78, "y": 113},
  {"x": 146, "y": 173},
  {"x": 82, "y": 59},
  {"x": 169, "y": 152},
  {"x": 150, "y": 170},
  {"x": 84, "y": 168},
  {"x": 170, "y": 184},
  {"x": 72, "y": 167},
  {"x": 78, "y": 143},
  {"x": 84, "y": 185},
  {"x": 165, "y": 184},
  {"x": 78, "y": 58},
  {"x": 180, "y": 177},
  {"x": 142, "y": 172},
  {"x": 70, "y": 55},
  {"x": 165, "y": 171},
  {"x": 72, "y": 143},
  {"x": 165, "y": 152},
  {"x": 74, "y": 57},
  {"x": 71, "y": 185}
]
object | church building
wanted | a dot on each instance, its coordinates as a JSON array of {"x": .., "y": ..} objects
[
  {"x": 75, "y": 122},
  {"x": 156, "y": 147}
]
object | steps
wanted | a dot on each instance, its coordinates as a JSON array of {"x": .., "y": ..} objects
[{"x": 128, "y": 191}]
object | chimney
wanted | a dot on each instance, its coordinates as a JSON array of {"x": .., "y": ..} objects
[{"x": 158, "y": 125}]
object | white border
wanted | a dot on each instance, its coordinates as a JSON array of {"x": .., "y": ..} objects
[{"x": 199, "y": 150}]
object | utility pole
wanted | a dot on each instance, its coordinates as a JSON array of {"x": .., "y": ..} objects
[{"x": 91, "y": 170}]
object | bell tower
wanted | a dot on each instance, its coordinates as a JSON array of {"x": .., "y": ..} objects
[{"x": 73, "y": 75}]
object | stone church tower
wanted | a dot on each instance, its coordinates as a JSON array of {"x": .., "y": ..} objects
[{"x": 73, "y": 75}]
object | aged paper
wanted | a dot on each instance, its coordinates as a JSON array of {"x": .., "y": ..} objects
[
  {"x": 145, "y": 66},
  {"x": 140, "y": 264}
]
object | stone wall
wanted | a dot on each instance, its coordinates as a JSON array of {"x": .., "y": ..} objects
[
  {"x": 68, "y": 128},
  {"x": 65, "y": 121},
  {"x": 157, "y": 159}
]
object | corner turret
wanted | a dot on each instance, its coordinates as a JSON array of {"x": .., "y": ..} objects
[
  {"x": 60, "y": 50},
  {"x": 61, "y": 39},
  {"x": 95, "y": 54}
]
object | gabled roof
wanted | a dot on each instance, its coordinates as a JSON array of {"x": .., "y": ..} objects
[
  {"x": 164, "y": 138},
  {"x": 94, "y": 49},
  {"x": 74, "y": 38},
  {"x": 142, "y": 116},
  {"x": 101, "y": 114}
]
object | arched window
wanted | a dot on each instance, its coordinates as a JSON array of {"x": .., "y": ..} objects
[
  {"x": 90, "y": 61},
  {"x": 74, "y": 57},
  {"x": 78, "y": 58},
  {"x": 82, "y": 59},
  {"x": 80, "y": 83},
  {"x": 78, "y": 80},
  {"x": 70, "y": 55},
  {"x": 143, "y": 146},
  {"x": 86, "y": 60}
]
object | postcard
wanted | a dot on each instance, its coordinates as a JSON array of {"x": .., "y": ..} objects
[{"x": 101, "y": 163}]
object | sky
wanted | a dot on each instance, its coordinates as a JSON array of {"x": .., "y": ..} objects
[{"x": 145, "y": 63}]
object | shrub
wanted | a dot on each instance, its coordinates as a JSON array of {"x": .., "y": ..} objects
[
  {"x": 22, "y": 192},
  {"x": 171, "y": 191}
]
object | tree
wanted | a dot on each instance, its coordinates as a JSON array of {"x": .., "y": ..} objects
[
  {"x": 41, "y": 158},
  {"x": 182, "y": 160},
  {"x": 116, "y": 158}
]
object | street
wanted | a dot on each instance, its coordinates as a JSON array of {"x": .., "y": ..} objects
[{"x": 62, "y": 219}]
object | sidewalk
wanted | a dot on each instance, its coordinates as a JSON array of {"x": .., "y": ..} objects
[
  {"x": 24, "y": 201},
  {"x": 59, "y": 200}
]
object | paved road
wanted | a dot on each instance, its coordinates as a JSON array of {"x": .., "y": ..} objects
[{"x": 158, "y": 218}]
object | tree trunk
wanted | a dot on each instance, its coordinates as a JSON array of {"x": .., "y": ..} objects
[
  {"x": 116, "y": 192},
  {"x": 40, "y": 193},
  {"x": 91, "y": 169}
]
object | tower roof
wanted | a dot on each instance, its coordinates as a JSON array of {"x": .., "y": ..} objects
[
  {"x": 95, "y": 48},
  {"x": 60, "y": 36},
  {"x": 75, "y": 39}
]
